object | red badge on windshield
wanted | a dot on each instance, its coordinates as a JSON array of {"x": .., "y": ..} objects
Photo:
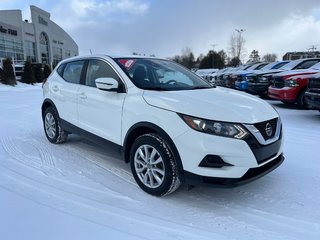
[{"x": 127, "y": 63}]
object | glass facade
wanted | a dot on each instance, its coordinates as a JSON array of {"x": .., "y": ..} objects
[
  {"x": 57, "y": 55},
  {"x": 67, "y": 53},
  {"x": 11, "y": 48},
  {"x": 44, "y": 48},
  {"x": 30, "y": 50}
]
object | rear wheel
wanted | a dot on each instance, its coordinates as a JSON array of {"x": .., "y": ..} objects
[
  {"x": 153, "y": 165},
  {"x": 52, "y": 126}
]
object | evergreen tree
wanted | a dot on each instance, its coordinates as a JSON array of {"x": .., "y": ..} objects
[
  {"x": 38, "y": 73},
  {"x": 186, "y": 59},
  {"x": 254, "y": 56},
  {"x": 46, "y": 71},
  {"x": 212, "y": 60},
  {"x": 28, "y": 73},
  {"x": 7, "y": 74},
  {"x": 234, "y": 62}
]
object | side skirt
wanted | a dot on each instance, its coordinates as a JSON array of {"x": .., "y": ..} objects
[{"x": 113, "y": 148}]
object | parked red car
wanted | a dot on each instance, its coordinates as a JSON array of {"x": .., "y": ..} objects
[{"x": 290, "y": 86}]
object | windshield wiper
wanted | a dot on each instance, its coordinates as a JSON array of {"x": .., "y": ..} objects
[
  {"x": 156, "y": 88},
  {"x": 203, "y": 87}
]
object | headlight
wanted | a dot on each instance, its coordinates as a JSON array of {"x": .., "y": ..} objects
[
  {"x": 223, "y": 129},
  {"x": 263, "y": 79},
  {"x": 291, "y": 83}
]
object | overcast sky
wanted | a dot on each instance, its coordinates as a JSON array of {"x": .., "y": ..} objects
[{"x": 164, "y": 27}]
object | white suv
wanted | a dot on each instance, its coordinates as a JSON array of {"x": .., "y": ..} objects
[{"x": 171, "y": 125}]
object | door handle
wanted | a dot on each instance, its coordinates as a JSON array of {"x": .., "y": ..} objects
[
  {"x": 55, "y": 88},
  {"x": 82, "y": 95}
]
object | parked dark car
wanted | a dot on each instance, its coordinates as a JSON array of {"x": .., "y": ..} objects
[
  {"x": 240, "y": 75},
  {"x": 261, "y": 84},
  {"x": 312, "y": 95},
  {"x": 251, "y": 77},
  {"x": 227, "y": 75}
]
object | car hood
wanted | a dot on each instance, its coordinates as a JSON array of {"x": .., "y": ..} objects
[{"x": 218, "y": 103}]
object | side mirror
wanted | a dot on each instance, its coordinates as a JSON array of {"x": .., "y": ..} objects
[{"x": 107, "y": 84}]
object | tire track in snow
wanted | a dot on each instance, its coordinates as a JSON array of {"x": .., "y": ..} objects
[
  {"x": 45, "y": 162},
  {"x": 13, "y": 147},
  {"x": 113, "y": 217},
  {"x": 266, "y": 221},
  {"x": 101, "y": 161},
  {"x": 64, "y": 186}
]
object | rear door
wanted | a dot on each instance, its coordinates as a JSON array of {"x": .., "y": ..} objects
[
  {"x": 99, "y": 111},
  {"x": 65, "y": 88}
]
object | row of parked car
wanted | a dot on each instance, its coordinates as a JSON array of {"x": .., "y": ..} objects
[{"x": 292, "y": 82}]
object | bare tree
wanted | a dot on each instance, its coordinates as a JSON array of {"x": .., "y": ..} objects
[
  {"x": 236, "y": 45},
  {"x": 269, "y": 57}
]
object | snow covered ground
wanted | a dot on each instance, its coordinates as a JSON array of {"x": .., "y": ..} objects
[{"x": 78, "y": 190}]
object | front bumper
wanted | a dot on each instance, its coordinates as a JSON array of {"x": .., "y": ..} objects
[
  {"x": 313, "y": 99},
  {"x": 238, "y": 156},
  {"x": 285, "y": 94},
  {"x": 241, "y": 85},
  {"x": 258, "y": 88},
  {"x": 251, "y": 175}
]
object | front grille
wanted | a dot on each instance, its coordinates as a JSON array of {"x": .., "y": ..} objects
[
  {"x": 263, "y": 153},
  {"x": 314, "y": 83},
  {"x": 252, "y": 78},
  {"x": 267, "y": 128},
  {"x": 278, "y": 82}
]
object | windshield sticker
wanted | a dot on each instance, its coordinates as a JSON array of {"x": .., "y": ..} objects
[{"x": 127, "y": 63}]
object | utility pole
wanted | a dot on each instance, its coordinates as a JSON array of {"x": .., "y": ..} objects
[{"x": 313, "y": 49}]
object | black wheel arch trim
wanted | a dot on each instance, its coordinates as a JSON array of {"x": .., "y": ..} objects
[
  {"x": 128, "y": 141},
  {"x": 48, "y": 102}
]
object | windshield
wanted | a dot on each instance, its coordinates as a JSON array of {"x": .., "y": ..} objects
[
  {"x": 161, "y": 75},
  {"x": 291, "y": 65}
]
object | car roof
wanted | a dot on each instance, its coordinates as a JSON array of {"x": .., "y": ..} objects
[{"x": 107, "y": 56}]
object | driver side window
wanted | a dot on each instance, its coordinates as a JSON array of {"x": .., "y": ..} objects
[{"x": 98, "y": 69}]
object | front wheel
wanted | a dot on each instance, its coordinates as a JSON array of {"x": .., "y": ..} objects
[
  {"x": 52, "y": 127},
  {"x": 153, "y": 165},
  {"x": 301, "y": 100}
]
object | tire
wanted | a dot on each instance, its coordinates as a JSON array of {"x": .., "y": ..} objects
[
  {"x": 288, "y": 103},
  {"x": 153, "y": 165},
  {"x": 52, "y": 126},
  {"x": 301, "y": 101}
]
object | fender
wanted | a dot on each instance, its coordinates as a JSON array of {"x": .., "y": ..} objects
[
  {"x": 46, "y": 103},
  {"x": 146, "y": 127}
]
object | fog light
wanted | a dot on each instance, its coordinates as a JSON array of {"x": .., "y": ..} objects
[{"x": 213, "y": 161}]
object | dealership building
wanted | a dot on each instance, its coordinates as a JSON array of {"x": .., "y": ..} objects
[{"x": 39, "y": 40}]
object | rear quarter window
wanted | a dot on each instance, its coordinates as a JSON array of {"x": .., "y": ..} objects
[
  {"x": 72, "y": 72},
  {"x": 60, "y": 69}
]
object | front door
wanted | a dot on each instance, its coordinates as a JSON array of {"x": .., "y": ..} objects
[{"x": 100, "y": 112}]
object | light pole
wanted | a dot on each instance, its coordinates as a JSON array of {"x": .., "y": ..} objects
[{"x": 213, "y": 45}]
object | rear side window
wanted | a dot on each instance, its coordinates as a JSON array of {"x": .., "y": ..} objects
[{"x": 72, "y": 72}]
